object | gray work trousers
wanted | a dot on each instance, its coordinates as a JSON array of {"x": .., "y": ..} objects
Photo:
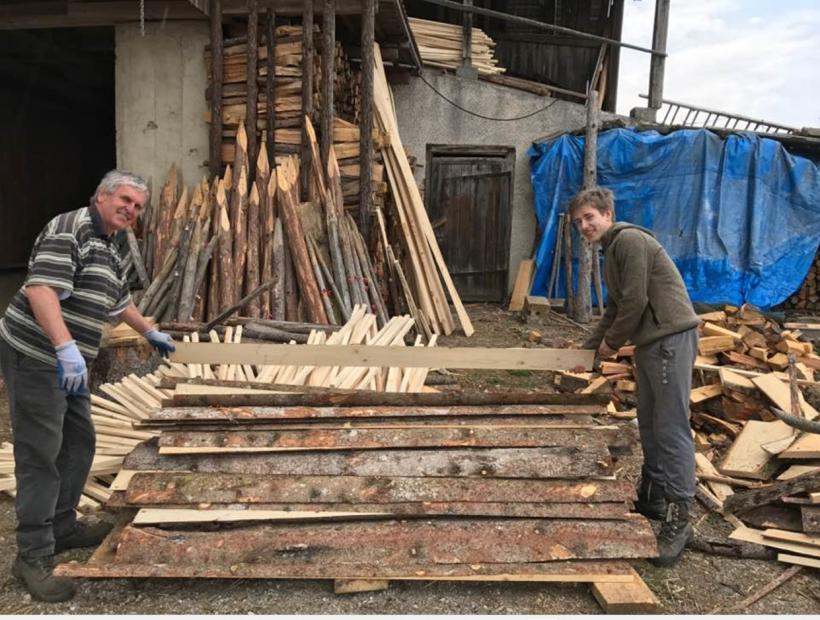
[
  {"x": 53, "y": 449},
  {"x": 664, "y": 383}
]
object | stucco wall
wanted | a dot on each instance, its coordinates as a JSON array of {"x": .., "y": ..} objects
[
  {"x": 426, "y": 118},
  {"x": 160, "y": 99}
]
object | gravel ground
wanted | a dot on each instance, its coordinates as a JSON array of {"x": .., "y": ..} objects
[{"x": 697, "y": 585}]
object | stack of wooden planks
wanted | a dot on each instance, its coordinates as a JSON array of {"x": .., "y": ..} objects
[
  {"x": 441, "y": 44},
  {"x": 429, "y": 305},
  {"x": 808, "y": 296},
  {"x": 357, "y": 485}
]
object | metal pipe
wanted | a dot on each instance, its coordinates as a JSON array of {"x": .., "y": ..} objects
[{"x": 541, "y": 25}]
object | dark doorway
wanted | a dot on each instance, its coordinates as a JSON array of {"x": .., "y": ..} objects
[
  {"x": 469, "y": 201},
  {"x": 57, "y": 133}
]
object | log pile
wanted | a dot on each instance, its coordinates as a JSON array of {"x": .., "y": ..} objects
[
  {"x": 807, "y": 298},
  {"x": 749, "y": 462},
  {"x": 441, "y": 44},
  {"x": 490, "y": 491}
]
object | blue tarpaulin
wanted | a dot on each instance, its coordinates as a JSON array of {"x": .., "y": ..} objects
[{"x": 739, "y": 216}]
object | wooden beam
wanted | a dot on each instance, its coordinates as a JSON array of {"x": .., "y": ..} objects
[
  {"x": 215, "y": 151},
  {"x": 328, "y": 77},
  {"x": 307, "y": 95},
  {"x": 633, "y": 597},
  {"x": 378, "y": 356},
  {"x": 366, "y": 118},
  {"x": 252, "y": 93}
]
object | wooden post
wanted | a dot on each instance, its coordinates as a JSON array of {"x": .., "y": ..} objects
[
  {"x": 582, "y": 305},
  {"x": 253, "y": 87},
  {"x": 215, "y": 150},
  {"x": 307, "y": 92},
  {"x": 328, "y": 71},
  {"x": 287, "y": 177},
  {"x": 366, "y": 126},
  {"x": 658, "y": 64},
  {"x": 252, "y": 272},
  {"x": 466, "y": 69},
  {"x": 270, "y": 85},
  {"x": 569, "y": 293}
]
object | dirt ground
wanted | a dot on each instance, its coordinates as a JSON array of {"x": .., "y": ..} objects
[{"x": 698, "y": 585}]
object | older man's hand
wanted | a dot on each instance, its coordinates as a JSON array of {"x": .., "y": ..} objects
[
  {"x": 161, "y": 341},
  {"x": 72, "y": 372}
]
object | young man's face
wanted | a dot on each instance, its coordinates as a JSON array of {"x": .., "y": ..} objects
[
  {"x": 591, "y": 223},
  {"x": 119, "y": 209}
]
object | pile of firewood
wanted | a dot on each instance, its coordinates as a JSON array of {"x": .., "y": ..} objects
[
  {"x": 749, "y": 462},
  {"x": 808, "y": 297},
  {"x": 441, "y": 44}
]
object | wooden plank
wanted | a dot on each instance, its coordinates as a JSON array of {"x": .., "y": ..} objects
[
  {"x": 367, "y": 398},
  {"x": 181, "y": 513},
  {"x": 806, "y": 446},
  {"x": 633, "y": 597},
  {"x": 800, "y": 560},
  {"x": 562, "y": 571},
  {"x": 370, "y": 356},
  {"x": 364, "y": 439},
  {"x": 531, "y": 463},
  {"x": 150, "y": 488},
  {"x": 751, "y": 535},
  {"x": 720, "y": 489},
  {"x": 440, "y": 541},
  {"x": 352, "y": 586},
  {"x": 797, "y": 537},
  {"x": 210, "y": 414},
  {"x": 746, "y": 458},
  {"x": 703, "y": 393},
  {"x": 521, "y": 288}
]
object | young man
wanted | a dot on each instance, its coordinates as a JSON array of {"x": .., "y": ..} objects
[
  {"x": 76, "y": 282},
  {"x": 647, "y": 304}
]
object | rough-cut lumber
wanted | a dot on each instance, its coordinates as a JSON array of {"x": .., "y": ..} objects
[
  {"x": 535, "y": 463},
  {"x": 799, "y": 560},
  {"x": 195, "y": 488},
  {"x": 254, "y": 414},
  {"x": 522, "y": 285},
  {"x": 797, "y": 537},
  {"x": 396, "y": 357},
  {"x": 364, "y": 439},
  {"x": 751, "y": 535},
  {"x": 743, "y": 500},
  {"x": 393, "y": 543},
  {"x": 564, "y": 403}
]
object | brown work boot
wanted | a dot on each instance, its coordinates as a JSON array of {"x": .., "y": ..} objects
[
  {"x": 675, "y": 533},
  {"x": 83, "y": 535},
  {"x": 37, "y": 576}
]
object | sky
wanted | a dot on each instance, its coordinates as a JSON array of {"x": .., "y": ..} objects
[{"x": 758, "y": 58}]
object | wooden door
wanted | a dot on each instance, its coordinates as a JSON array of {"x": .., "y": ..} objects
[{"x": 469, "y": 201}]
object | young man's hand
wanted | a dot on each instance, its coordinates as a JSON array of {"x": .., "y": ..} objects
[{"x": 605, "y": 351}]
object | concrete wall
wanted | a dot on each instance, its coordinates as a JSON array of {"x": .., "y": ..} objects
[
  {"x": 160, "y": 100},
  {"x": 425, "y": 118}
]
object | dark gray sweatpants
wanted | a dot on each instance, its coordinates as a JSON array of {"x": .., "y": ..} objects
[
  {"x": 664, "y": 383},
  {"x": 53, "y": 449}
]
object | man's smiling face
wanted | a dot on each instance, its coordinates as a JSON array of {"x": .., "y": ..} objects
[
  {"x": 119, "y": 209},
  {"x": 591, "y": 222}
]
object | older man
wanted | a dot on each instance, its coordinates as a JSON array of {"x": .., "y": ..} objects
[{"x": 76, "y": 282}]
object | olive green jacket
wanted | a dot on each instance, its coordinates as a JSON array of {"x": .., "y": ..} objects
[{"x": 646, "y": 297}]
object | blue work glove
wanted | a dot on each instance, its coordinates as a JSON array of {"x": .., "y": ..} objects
[
  {"x": 72, "y": 373},
  {"x": 161, "y": 341}
]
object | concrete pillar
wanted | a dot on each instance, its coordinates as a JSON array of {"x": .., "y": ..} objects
[{"x": 160, "y": 99}]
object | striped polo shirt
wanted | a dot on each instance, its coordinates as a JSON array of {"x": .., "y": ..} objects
[{"x": 89, "y": 271}]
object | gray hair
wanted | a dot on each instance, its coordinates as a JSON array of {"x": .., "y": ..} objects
[{"x": 114, "y": 178}]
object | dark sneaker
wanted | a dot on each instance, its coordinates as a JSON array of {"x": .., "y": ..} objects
[
  {"x": 83, "y": 535},
  {"x": 36, "y": 575},
  {"x": 651, "y": 501},
  {"x": 675, "y": 533}
]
